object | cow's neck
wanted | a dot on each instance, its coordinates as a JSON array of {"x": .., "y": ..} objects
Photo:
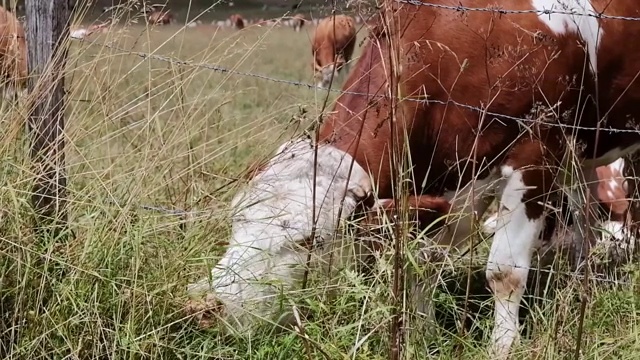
[{"x": 362, "y": 129}]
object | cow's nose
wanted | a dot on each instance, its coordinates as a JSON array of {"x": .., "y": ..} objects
[{"x": 206, "y": 311}]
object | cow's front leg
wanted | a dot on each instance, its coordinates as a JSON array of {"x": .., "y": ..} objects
[{"x": 517, "y": 228}]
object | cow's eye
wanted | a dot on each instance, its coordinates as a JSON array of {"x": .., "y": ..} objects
[{"x": 313, "y": 243}]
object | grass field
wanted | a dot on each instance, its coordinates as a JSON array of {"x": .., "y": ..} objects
[{"x": 152, "y": 132}]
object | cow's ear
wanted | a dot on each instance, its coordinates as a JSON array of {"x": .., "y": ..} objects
[
  {"x": 369, "y": 201},
  {"x": 362, "y": 191},
  {"x": 383, "y": 204}
]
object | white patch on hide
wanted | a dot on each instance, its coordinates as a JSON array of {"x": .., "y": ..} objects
[
  {"x": 617, "y": 166},
  {"x": 490, "y": 225},
  {"x": 615, "y": 235},
  {"x": 587, "y": 27},
  {"x": 513, "y": 244},
  {"x": 327, "y": 72},
  {"x": 614, "y": 229}
]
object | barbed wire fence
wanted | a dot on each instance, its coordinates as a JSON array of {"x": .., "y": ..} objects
[
  {"x": 312, "y": 87},
  {"x": 561, "y": 10}
]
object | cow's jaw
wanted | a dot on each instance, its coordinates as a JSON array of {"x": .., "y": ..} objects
[
  {"x": 273, "y": 222},
  {"x": 327, "y": 73}
]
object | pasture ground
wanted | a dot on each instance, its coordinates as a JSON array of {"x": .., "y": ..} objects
[{"x": 151, "y": 132}]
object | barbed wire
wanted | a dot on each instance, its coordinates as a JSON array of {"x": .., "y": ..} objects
[
  {"x": 187, "y": 214},
  {"x": 503, "y": 11},
  {"x": 222, "y": 69},
  {"x": 594, "y": 276}
]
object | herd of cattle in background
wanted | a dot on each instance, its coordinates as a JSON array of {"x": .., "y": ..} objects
[
  {"x": 158, "y": 15},
  {"x": 332, "y": 48},
  {"x": 328, "y": 40}
]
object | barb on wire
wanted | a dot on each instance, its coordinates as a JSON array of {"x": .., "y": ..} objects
[{"x": 502, "y": 11}]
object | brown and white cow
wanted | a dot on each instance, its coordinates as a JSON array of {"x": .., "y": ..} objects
[
  {"x": 161, "y": 18},
  {"x": 439, "y": 58},
  {"x": 237, "y": 21},
  {"x": 13, "y": 55},
  {"x": 333, "y": 43}
]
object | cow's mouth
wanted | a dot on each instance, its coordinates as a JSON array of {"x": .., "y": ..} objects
[{"x": 206, "y": 311}]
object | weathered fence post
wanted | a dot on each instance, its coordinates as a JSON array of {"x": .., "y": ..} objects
[{"x": 47, "y": 40}]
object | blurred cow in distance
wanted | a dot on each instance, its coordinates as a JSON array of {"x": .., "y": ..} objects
[{"x": 333, "y": 43}]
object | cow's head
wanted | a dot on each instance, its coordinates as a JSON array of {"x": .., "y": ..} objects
[
  {"x": 273, "y": 226},
  {"x": 325, "y": 73},
  {"x": 612, "y": 190},
  {"x": 325, "y": 76}
]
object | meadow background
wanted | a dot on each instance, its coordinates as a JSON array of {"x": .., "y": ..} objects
[{"x": 147, "y": 132}]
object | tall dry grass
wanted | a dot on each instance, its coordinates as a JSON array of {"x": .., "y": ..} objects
[{"x": 151, "y": 132}]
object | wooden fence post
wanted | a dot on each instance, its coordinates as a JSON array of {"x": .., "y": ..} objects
[{"x": 47, "y": 41}]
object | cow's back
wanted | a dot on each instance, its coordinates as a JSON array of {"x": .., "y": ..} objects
[
  {"x": 338, "y": 31},
  {"x": 161, "y": 17}
]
